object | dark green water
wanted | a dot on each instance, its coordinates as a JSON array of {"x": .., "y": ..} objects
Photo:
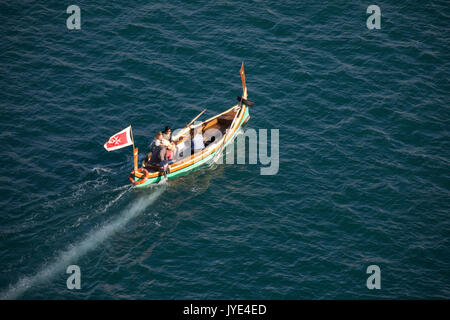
[{"x": 363, "y": 117}]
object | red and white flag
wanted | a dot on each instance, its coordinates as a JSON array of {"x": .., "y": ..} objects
[{"x": 119, "y": 140}]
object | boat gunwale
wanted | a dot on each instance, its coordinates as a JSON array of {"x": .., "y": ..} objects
[{"x": 195, "y": 158}]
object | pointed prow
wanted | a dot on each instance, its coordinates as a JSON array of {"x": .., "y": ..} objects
[
  {"x": 243, "y": 99},
  {"x": 244, "y": 88}
]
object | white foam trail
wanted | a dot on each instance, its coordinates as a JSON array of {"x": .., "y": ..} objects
[
  {"x": 109, "y": 204},
  {"x": 92, "y": 240},
  {"x": 98, "y": 169}
]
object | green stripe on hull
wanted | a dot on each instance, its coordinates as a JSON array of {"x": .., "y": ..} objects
[{"x": 196, "y": 164}]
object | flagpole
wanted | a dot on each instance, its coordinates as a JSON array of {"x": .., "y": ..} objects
[
  {"x": 135, "y": 152},
  {"x": 132, "y": 136}
]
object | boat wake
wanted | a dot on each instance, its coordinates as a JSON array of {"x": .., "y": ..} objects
[
  {"x": 89, "y": 243},
  {"x": 125, "y": 189}
]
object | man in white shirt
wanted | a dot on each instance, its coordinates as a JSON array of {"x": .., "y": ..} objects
[{"x": 197, "y": 142}]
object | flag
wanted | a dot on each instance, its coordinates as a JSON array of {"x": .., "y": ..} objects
[{"x": 119, "y": 140}]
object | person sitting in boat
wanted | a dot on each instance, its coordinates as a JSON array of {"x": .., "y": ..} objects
[
  {"x": 197, "y": 142},
  {"x": 157, "y": 151},
  {"x": 167, "y": 133},
  {"x": 158, "y": 155},
  {"x": 157, "y": 142},
  {"x": 167, "y": 138}
]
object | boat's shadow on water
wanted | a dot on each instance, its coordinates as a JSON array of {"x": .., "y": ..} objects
[{"x": 189, "y": 185}]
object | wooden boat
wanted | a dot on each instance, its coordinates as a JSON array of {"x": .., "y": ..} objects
[{"x": 227, "y": 123}]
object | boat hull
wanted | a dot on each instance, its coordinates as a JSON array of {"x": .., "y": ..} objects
[{"x": 206, "y": 159}]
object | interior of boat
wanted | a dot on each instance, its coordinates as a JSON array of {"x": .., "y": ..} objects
[{"x": 211, "y": 136}]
